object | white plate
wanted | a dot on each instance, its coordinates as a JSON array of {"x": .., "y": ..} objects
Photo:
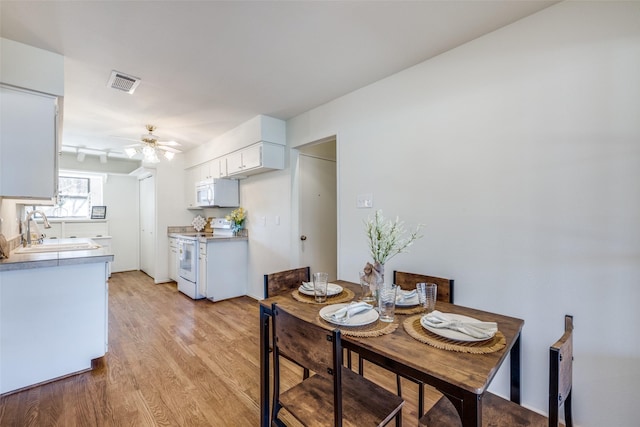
[
  {"x": 407, "y": 302},
  {"x": 332, "y": 289},
  {"x": 360, "y": 319},
  {"x": 450, "y": 333}
]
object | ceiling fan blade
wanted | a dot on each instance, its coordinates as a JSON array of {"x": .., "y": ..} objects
[
  {"x": 132, "y": 145},
  {"x": 169, "y": 149},
  {"x": 125, "y": 138},
  {"x": 169, "y": 143}
]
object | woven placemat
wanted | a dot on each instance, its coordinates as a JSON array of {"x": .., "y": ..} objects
[
  {"x": 410, "y": 310},
  {"x": 414, "y": 328},
  {"x": 345, "y": 296},
  {"x": 374, "y": 329}
]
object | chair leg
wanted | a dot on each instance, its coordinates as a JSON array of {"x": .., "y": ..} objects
[
  {"x": 349, "y": 359},
  {"x": 568, "y": 418},
  {"x": 420, "y": 400},
  {"x": 360, "y": 366},
  {"x": 305, "y": 373}
]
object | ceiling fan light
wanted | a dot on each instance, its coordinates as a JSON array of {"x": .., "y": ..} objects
[
  {"x": 148, "y": 151},
  {"x": 168, "y": 155},
  {"x": 150, "y": 155},
  {"x": 130, "y": 152}
]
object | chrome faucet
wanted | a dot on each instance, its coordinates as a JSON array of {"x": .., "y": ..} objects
[{"x": 29, "y": 216}]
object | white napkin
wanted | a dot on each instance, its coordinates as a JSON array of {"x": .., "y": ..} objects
[
  {"x": 403, "y": 295},
  {"x": 350, "y": 310},
  {"x": 480, "y": 330},
  {"x": 307, "y": 286}
]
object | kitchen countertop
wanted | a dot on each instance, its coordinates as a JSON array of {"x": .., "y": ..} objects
[
  {"x": 208, "y": 237},
  {"x": 17, "y": 261}
]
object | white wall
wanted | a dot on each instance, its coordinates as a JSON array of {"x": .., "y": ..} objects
[
  {"x": 266, "y": 196},
  {"x": 520, "y": 152},
  {"x": 170, "y": 210},
  {"x": 120, "y": 195}
]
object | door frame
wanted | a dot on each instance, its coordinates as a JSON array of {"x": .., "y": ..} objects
[{"x": 295, "y": 199}]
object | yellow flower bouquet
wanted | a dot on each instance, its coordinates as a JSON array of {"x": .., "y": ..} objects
[{"x": 237, "y": 217}]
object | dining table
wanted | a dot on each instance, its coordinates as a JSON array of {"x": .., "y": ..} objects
[{"x": 463, "y": 377}]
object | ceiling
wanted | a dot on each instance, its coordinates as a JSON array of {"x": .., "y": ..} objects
[{"x": 208, "y": 66}]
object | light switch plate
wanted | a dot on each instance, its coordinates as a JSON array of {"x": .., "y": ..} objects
[{"x": 364, "y": 201}]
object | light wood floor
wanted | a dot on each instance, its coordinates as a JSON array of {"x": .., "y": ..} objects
[{"x": 172, "y": 361}]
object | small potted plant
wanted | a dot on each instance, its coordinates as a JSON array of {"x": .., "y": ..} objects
[{"x": 237, "y": 218}]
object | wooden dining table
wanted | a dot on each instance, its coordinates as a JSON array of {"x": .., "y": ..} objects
[{"x": 462, "y": 377}]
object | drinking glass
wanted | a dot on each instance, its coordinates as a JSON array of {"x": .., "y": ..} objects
[
  {"x": 320, "y": 286},
  {"x": 367, "y": 292},
  {"x": 387, "y": 302},
  {"x": 427, "y": 295}
]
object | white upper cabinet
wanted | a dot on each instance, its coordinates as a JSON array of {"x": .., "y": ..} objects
[
  {"x": 31, "y": 83},
  {"x": 258, "y": 158},
  {"x": 192, "y": 175},
  {"x": 28, "y": 144}
]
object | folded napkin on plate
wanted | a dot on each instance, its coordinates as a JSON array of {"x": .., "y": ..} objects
[
  {"x": 307, "y": 286},
  {"x": 476, "y": 329},
  {"x": 350, "y": 310},
  {"x": 402, "y": 295}
]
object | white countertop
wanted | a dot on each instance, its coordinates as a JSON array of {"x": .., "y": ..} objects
[{"x": 18, "y": 261}]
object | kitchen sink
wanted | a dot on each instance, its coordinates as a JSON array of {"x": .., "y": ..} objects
[{"x": 58, "y": 247}]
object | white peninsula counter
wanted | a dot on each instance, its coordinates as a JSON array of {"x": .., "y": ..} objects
[{"x": 53, "y": 313}]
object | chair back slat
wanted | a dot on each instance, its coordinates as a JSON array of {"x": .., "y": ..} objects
[
  {"x": 561, "y": 374},
  {"x": 285, "y": 281},
  {"x": 408, "y": 281},
  {"x": 307, "y": 344}
]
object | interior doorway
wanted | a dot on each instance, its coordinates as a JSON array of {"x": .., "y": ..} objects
[
  {"x": 147, "y": 196},
  {"x": 317, "y": 207}
]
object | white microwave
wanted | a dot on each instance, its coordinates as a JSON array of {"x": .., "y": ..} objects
[{"x": 218, "y": 192}]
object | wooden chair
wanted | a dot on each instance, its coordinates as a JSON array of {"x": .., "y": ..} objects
[
  {"x": 286, "y": 281},
  {"x": 334, "y": 395},
  {"x": 408, "y": 281},
  {"x": 499, "y": 412}
]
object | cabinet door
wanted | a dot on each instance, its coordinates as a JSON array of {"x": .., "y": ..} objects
[
  {"x": 252, "y": 157},
  {"x": 28, "y": 124},
  {"x": 202, "y": 274},
  {"x": 205, "y": 171},
  {"x": 218, "y": 168},
  {"x": 173, "y": 259},
  {"x": 192, "y": 175},
  {"x": 234, "y": 163}
]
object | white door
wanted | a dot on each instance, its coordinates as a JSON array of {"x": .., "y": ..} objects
[
  {"x": 147, "y": 225},
  {"x": 318, "y": 214}
]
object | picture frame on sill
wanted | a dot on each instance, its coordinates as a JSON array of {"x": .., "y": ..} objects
[{"x": 98, "y": 212}]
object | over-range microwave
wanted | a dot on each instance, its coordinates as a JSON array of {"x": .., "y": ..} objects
[{"x": 218, "y": 192}]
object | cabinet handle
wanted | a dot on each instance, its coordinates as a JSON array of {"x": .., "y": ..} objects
[{"x": 303, "y": 237}]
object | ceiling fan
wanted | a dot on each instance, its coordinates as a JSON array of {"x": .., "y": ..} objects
[{"x": 151, "y": 146}]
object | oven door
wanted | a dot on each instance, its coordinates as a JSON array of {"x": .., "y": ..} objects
[{"x": 188, "y": 268}]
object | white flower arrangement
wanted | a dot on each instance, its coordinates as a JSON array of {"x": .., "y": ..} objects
[{"x": 386, "y": 237}]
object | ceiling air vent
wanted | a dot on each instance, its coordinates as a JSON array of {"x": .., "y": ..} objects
[{"x": 123, "y": 82}]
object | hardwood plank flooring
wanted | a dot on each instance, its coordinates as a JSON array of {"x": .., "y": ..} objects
[{"x": 172, "y": 361}]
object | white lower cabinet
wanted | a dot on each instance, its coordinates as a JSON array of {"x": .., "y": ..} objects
[
  {"x": 225, "y": 268},
  {"x": 173, "y": 258},
  {"x": 202, "y": 269},
  {"x": 53, "y": 322}
]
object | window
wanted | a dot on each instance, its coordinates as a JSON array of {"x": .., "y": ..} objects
[{"x": 77, "y": 193}]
